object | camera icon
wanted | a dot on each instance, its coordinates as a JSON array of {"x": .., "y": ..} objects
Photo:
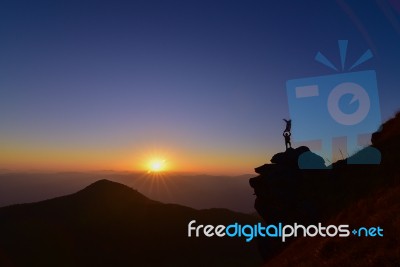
[{"x": 337, "y": 105}]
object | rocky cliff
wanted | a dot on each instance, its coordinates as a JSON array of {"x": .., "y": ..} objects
[{"x": 288, "y": 194}]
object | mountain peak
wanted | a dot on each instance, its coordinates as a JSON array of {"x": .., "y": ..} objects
[
  {"x": 106, "y": 183},
  {"x": 106, "y": 189}
]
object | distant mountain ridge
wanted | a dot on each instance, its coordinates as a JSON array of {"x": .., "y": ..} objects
[
  {"x": 229, "y": 192},
  {"x": 110, "y": 224}
]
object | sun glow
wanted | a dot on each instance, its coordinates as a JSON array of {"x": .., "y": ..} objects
[{"x": 157, "y": 165}]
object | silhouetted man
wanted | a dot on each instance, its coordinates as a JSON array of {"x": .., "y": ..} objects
[
  {"x": 288, "y": 125},
  {"x": 287, "y": 139}
]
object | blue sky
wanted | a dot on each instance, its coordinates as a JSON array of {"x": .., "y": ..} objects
[{"x": 108, "y": 84}]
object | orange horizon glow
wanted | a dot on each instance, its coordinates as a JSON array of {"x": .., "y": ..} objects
[{"x": 24, "y": 157}]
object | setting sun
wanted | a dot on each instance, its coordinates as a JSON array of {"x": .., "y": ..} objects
[{"x": 157, "y": 165}]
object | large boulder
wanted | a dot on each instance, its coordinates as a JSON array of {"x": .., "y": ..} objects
[{"x": 300, "y": 157}]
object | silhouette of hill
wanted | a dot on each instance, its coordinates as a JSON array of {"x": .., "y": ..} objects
[
  {"x": 230, "y": 192},
  {"x": 357, "y": 195},
  {"x": 110, "y": 224}
]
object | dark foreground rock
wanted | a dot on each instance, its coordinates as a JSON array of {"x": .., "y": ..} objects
[{"x": 309, "y": 194}]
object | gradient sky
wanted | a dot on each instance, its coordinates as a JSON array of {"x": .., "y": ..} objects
[{"x": 91, "y": 85}]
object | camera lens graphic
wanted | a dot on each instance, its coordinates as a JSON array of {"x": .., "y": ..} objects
[{"x": 358, "y": 93}]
